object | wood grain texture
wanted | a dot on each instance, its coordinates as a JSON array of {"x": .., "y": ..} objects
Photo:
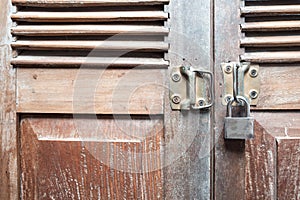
[
  {"x": 89, "y": 16},
  {"x": 148, "y": 46},
  {"x": 272, "y": 57},
  {"x": 260, "y": 181},
  {"x": 75, "y": 30},
  {"x": 229, "y": 172},
  {"x": 288, "y": 168},
  {"x": 271, "y": 10},
  {"x": 60, "y": 159},
  {"x": 9, "y": 180},
  {"x": 187, "y": 134},
  {"x": 88, "y": 90},
  {"x": 85, "y": 3},
  {"x": 279, "y": 88},
  {"x": 98, "y": 62}
]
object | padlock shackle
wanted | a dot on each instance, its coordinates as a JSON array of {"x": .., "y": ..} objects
[{"x": 229, "y": 106}]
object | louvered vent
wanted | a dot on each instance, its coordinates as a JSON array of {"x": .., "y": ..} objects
[
  {"x": 64, "y": 32},
  {"x": 271, "y": 31}
]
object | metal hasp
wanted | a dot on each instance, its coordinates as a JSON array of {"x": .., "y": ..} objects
[
  {"x": 247, "y": 81},
  {"x": 191, "y": 88},
  {"x": 239, "y": 127}
]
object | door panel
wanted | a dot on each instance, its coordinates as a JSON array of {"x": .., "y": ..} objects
[{"x": 61, "y": 161}]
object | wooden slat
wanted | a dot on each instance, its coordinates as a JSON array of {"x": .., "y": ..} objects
[
  {"x": 85, "y": 3},
  {"x": 105, "y": 158},
  {"x": 92, "y": 45},
  {"x": 288, "y": 168},
  {"x": 271, "y": 41},
  {"x": 71, "y": 30},
  {"x": 56, "y": 61},
  {"x": 270, "y": 10},
  {"x": 90, "y": 16},
  {"x": 272, "y": 57},
  {"x": 88, "y": 90},
  {"x": 271, "y": 26}
]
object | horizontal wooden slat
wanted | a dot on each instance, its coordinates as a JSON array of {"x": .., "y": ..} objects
[
  {"x": 271, "y": 26},
  {"x": 272, "y": 57},
  {"x": 93, "y": 91},
  {"x": 71, "y": 30},
  {"x": 270, "y": 10},
  {"x": 92, "y": 45},
  {"x": 57, "y": 61},
  {"x": 85, "y": 3},
  {"x": 279, "y": 88},
  {"x": 271, "y": 41},
  {"x": 89, "y": 16}
]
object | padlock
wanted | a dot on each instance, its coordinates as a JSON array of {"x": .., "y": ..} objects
[{"x": 239, "y": 127}]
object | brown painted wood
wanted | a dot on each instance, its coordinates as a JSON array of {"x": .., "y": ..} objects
[
  {"x": 260, "y": 180},
  {"x": 271, "y": 26},
  {"x": 148, "y": 46},
  {"x": 288, "y": 168},
  {"x": 85, "y": 3},
  {"x": 271, "y": 41},
  {"x": 59, "y": 160},
  {"x": 89, "y": 16},
  {"x": 86, "y": 90},
  {"x": 71, "y": 30},
  {"x": 272, "y": 57},
  {"x": 9, "y": 180},
  {"x": 229, "y": 169}
]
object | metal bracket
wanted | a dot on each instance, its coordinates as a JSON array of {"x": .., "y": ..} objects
[
  {"x": 247, "y": 83},
  {"x": 188, "y": 88}
]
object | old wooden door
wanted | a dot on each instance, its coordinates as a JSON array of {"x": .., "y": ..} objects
[
  {"x": 85, "y": 106},
  {"x": 85, "y": 110}
]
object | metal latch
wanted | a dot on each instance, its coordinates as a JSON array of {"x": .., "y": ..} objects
[
  {"x": 189, "y": 88},
  {"x": 241, "y": 79}
]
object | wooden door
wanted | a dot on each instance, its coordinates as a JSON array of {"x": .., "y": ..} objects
[
  {"x": 85, "y": 107},
  {"x": 266, "y": 33}
]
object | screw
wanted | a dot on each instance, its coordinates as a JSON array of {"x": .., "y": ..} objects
[
  {"x": 253, "y": 94},
  {"x": 253, "y": 73},
  {"x": 201, "y": 102},
  {"x": 176, "y": 77},
  {"x": 228, "y": 69},
  {"x": 176, "y": 99},
  {"x": 228, "y": 98}
]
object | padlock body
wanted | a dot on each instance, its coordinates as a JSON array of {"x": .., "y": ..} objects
[{"x": 239, "y": 128}]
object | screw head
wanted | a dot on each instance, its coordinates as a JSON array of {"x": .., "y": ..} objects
[
  {"x": 253, "y": 73},
  {"x": 228, "y": 69},
  {"x": 228, "y": 98},
  {"x": 201, "y": 102},
  {"x": 176, "y": 99},
  {"x": 253, "y": 94},
  {"x": 176, "y": 77}
]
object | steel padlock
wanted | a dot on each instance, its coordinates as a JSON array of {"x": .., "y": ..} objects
[{"x": 239, "y": 127}]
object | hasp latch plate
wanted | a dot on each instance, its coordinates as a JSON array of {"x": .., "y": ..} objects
[
  {"x": 190, "y": 88},
  {"x": 248, "y": 81}
]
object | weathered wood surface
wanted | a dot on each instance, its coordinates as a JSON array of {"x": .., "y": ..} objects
[
  {"x": 148, "y": 46},
  {"x": 229, "y": 172},
  {"x": 271, "y": 10},
  {"x": 9, "y": 179},
  {"x": 88, "y": 90},
  {"x": 288, "y": 168},
  {"x": 272, "y": 57},
  {"x": 65, "y": 158},
  {"x": 74, "y": 30},
  {"x": 271, "y": 41},
  {"x": 85, "y": 3},
  {"x": 188, "y": 134},
  {"x": 89, "y": 16},
  {"x": 260, "y": 165}
]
